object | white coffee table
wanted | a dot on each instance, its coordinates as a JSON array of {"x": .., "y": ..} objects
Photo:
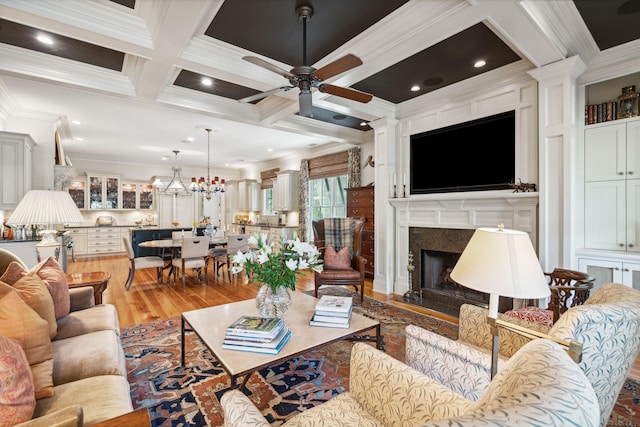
[{"x": 210, "y": 324}]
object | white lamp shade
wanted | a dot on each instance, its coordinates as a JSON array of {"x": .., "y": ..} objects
[
  {"x": 501, "y": 262},
  {"x": 46, "y": 207}
]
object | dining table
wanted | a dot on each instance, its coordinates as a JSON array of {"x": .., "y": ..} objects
[{"x": 175, "y": 244}]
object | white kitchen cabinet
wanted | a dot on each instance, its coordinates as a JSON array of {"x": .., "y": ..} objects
[
  {"x": 103, "y": 191},
  {"x": 136, "y": 195},
  {"x": 606, "y": 270},
  {"x": 15, "y": 168},
  {"x": 249, "y": 195},
  {"x": 286, "y": 191},
  {"x": 79, "y": 236},
  {"x": 176, "y": 208},
  {"x": 612, "y": 186},
  {"x": 104, "y": 240}
]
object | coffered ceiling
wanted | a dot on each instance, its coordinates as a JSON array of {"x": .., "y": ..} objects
[{"x": 142, "y": 77}]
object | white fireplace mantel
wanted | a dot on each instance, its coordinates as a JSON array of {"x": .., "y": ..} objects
[{"x": 470, "y": 210}]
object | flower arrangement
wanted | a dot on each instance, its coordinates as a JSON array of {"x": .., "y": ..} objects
[{"x": 277, "y": 269}]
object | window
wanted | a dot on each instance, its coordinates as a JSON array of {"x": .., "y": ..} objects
[
  {"x": 328, "y": 197},
  {"x": 267, "y": 209}
]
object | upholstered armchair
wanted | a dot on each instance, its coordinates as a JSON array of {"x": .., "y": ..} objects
[
  {"x": 352, "y": 272},
  {"x": 385, "y": 392},
  {"x": 607, "y": 325}
]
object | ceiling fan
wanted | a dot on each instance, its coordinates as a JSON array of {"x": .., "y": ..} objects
[{"x": 305, "y": 77}]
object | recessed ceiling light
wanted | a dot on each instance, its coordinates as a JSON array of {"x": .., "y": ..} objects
[
  {"x": 415, "y": 88},
  {"x": 226, "y": 164},
  {"x": 75, "y": 122},
  {"x": 164, "y": 158},
  {"x": 79, "y": 139},
  {"x": 480, "y": 63},
  {"x": 207, "y": 81},
  {"x": 44, "y": 38},
  {"x": 269, "y": 149},
  {"x": 190, "y": 139},
  {"x": 363, "y": 123}
]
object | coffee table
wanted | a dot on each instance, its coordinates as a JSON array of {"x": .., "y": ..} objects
[{"x": 210, "y": 324}]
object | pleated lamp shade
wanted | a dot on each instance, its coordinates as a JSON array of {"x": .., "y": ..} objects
[{"x": 45, "y": 207}]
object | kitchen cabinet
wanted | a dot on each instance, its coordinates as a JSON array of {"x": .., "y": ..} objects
[
  {"x": 286, "y": 191},
  {"x": 606, "y": 270},
  {"x": 137, "y": 196},
  {"x": 15, "y": 168},
  {"x": 180, "y": 209},
  {"x": 79, "y": 236},
  {"x": 78, "y": 192},
  {"x": 249, "y": 195},
  {"x": 612, "y": 186},
  {"x": 104, "y": 191},
  {"x": 360, "y": 204},
  {"x": 104, "y": 240}
]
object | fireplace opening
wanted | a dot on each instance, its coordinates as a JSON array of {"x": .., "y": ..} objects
[{"x": 436, "y": 276}]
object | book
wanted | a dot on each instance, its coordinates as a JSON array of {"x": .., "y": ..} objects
[
  {"x": 314, "y": 322},
  {"x": 331, "y": 317},
  {"x": 256, "y": 326},
  {"x": 334, "y": 304},
  {"x": 253, "y": 349},
  {"x": 274, "y": 343},
  {"x": 334, "y": 313}
]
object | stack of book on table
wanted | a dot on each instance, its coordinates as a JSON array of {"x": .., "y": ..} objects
[
  {"x": 256, "y": 334},
  {"x": 332, "y": 312}
]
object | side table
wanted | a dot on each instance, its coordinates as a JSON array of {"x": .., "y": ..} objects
[
  {"x": 137, "y": 418},
  {"x": 99, "y": 280}
]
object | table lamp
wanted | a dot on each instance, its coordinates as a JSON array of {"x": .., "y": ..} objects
[
  {"x": 43, "y": 207},
  {"x": 503, "y": 262}
]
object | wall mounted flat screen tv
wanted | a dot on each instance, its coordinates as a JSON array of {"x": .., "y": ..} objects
[{"x": 478, "y": 155}]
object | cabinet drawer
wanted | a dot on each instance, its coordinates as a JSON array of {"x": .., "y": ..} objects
[
  {"x": 364, "y": 202},
  {"x": 360, "y": 212},
  {"x": 103, "y": 249},
  {"x": 361, "y": 194},
  {"x": 103, "y": 242},
  {"x": 98, "y": 231},
  {"x": 76, "y": 231},
  {"x": 367, "y": 248}
]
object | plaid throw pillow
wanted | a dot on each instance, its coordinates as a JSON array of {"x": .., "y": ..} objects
[{"x": 338, "y": 232}]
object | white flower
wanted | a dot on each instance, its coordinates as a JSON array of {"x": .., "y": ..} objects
[
  {"x": 263, "y": 257},
  {"x": 292, "y": 264}
]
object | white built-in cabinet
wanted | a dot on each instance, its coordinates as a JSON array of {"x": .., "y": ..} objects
[
  {"x": 136, "y": 195},
  {"x": 606, "y": 270},
  {"x": 249, "y": 195},
  {"x": 612, "y": 186},
  {"x": 15, "y": 168},
  {"x": 103, "y": 191},
  {"x": 286, "y": 190},
  {"x": 180, "y": 209}
]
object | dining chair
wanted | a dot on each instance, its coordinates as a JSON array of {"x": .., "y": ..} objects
[
  {"x": 194, "y": 255},
  {"x": 140, "y": 263},
  {"x": 222, "y": 256}
]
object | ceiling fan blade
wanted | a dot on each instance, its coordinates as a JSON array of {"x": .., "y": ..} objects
[
  {"x": 338, "y": 66},
  {"x": 344, "y": 92},
  {"x": 265, "y": 94},
  {"x": 305, "y": 100},
  {"x": 264, "y": 64}
]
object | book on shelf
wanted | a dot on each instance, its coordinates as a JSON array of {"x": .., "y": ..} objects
[
  {"x": 255, "y": 326},
  {"x": 254, "y": 349},
  {"x": 335, "y": 304},
  {"x": 315, "y": 322},
  {"x": 261, "y": 343}
]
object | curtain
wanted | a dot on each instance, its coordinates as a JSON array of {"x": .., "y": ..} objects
[
  {"x": 304, "y": 199},
  {"x": 353, "y": 165}
]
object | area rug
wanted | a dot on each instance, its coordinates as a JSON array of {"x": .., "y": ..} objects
[{"x": 189, "y": 396}]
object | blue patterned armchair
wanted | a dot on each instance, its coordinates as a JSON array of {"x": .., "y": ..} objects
[
  {"x": 385, "y": 392},
  {"x": 608, "y": 326}
]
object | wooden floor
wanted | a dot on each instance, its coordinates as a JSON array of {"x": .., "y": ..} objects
[{"x": 147, "y": 300}]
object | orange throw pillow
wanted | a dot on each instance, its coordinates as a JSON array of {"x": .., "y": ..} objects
[
  {"x": 19, "y": 322},
  {"x": 17, "y": 398},
  {"x": 340, "y": 260},
  {"x": 35, "y": 293},
  {"x": 56, "y": 280}
]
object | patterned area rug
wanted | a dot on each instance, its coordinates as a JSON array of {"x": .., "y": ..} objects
[{"x": 189, "y": 396}]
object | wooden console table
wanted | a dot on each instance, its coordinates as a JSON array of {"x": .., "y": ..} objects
[{"x": 99, "y": 280}]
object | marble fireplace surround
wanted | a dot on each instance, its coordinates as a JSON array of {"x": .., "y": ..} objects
[{"x": 466, "y": 211}]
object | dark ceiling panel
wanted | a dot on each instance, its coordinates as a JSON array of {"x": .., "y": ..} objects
[
  {"x": 339, "y": 119},
  {"x": 272, "y": 28},
  {"x": 23, "y": 36},
  {"x": 611, "y": 22},
  {"x": 443, "y": 64},
  {"x": 131, "y": 4},
  {"x": 191, "y": 80}
]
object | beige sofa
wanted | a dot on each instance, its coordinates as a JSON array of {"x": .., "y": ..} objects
[
  {"x": 385, "y": 392},
  {"x": 89, "y": 371}
]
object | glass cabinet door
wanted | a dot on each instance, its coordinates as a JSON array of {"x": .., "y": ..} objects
[
  {"x": 95, "y": 192},
  {"x": 77, "y": 192},
  {"x": 146, "y": 196},
  {"x": 129, "y": 196},
  {"x": 112, "y": 188}
]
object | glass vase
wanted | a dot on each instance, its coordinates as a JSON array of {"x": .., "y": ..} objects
[{"x": 273, "y": 304}]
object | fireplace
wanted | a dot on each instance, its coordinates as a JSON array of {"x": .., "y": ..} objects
[{"x": 435, "y": 253}]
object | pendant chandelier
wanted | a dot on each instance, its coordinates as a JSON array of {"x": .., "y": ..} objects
[
  {"x": 209, "y": 186},
  {"x": 176, "y": 187}
]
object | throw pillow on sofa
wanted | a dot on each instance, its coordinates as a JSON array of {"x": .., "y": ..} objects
[
  {"x": 17, "y": 398},
  {"x": 35, "y": 293},
  {"x": 56, "y": 280},
  {"x": 14, "y": 272},
  {"x": 19, "y": 322}
]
